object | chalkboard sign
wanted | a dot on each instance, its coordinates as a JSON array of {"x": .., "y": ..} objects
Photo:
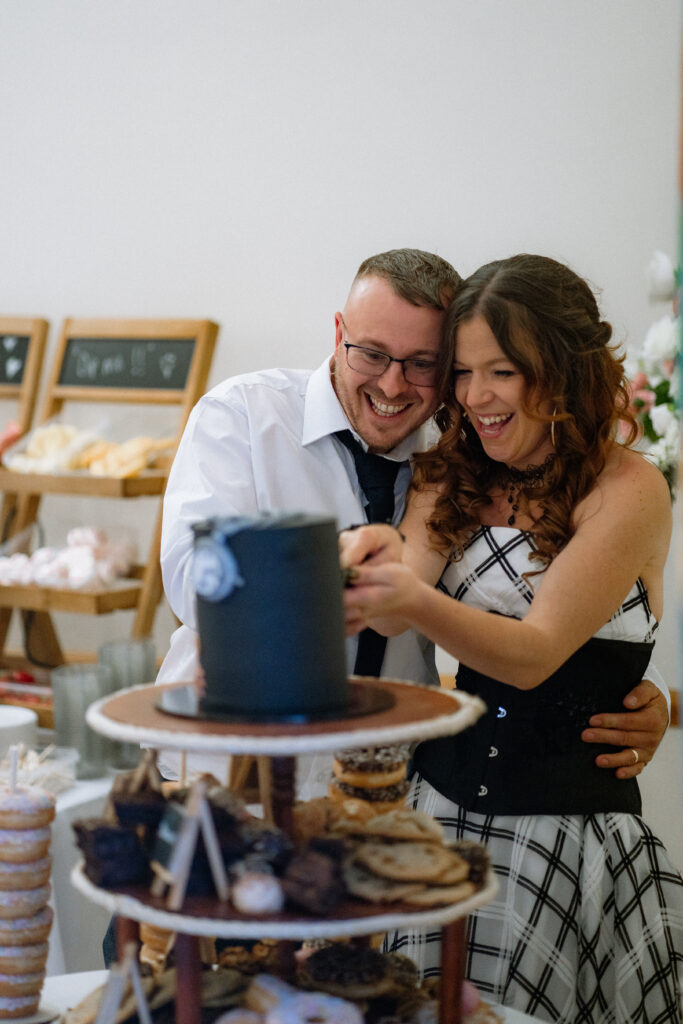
[
  {"x": 13, "y": 353},
  {"x": 170, "y": 828},
  {"x": 127, "y": 362}
]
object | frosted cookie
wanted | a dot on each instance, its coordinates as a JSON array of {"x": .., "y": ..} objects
[
  {"x": 26, "y": 931},
  {"x": 23, "y": 902},
  {"x": 25, "y": 875},
  {"x": 18, "y": 845},
  {"x": 26, "y": 807}
]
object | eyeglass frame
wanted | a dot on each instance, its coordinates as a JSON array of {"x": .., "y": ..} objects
[{"x": 389, "y": 360}]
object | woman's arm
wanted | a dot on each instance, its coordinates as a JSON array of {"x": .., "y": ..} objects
[{"x": 622, "y": 533}]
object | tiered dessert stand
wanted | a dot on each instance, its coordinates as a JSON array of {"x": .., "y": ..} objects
[{"x": 417, "y": 713}]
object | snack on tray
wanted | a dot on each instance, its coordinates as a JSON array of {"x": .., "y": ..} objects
[
  {"x": 136, "y": 797},
  {"x": 25, "y": 918},
  {"x": 313, "y": 880},
  {"x": 377, "y": 775},
  {"x": 61, "y": 448},
  {"x": 113, "y": 855}
]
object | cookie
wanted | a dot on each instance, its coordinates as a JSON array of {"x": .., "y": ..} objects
[
  {"x": 407, "y": 861},
  {"x": 351, "y": 972},
  {"x": 432, "y": 895},
  {"x": 405, "y": 823},
  {"x": 457, "y": 871},
  {"x": 366, "y": 885}
]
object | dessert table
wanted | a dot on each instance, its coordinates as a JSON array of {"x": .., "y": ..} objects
[{"x": 61, "y": 992}]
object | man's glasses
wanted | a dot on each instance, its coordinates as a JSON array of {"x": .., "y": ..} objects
[{"x": 422, "y": 373}]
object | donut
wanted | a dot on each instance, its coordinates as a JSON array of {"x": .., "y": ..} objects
[
  {"x": 256, "y": 892},
  {"x": 369, "y": 779},
  {"x": 27, "y": 875},
  {"x": 23, "y": 902},
  {"x": 240, "y": 1016},
  {"x": 374, "y": 759},
  {"x": 26, "y": 807},
  {"x": 21, "y": 984},
  {"x": 309, "y": 1007},
  {"x": 18, "y": 845},
  {"x": 266, "y": 992},
  {"x": 23, "y": 959},
  {"x": 379, "y": 800},
  {"x": 26, "y": 931},
  {"x": 20, "y": 1006}
]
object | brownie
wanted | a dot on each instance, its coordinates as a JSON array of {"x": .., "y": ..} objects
[
  {"x": 113, "y": 854},
  {"x": 313, "y": 881}
]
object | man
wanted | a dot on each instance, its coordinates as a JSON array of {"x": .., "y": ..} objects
[{"x": 268, "y": 441}]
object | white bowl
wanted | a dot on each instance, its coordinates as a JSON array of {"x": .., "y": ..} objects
[{"x": 17, "y": 725}]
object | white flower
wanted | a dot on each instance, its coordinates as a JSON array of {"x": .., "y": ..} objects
[
  {"x": 661, "y": 278},
  {"x": 661, "y": 340},
  {"x": 663, "y": 417}
]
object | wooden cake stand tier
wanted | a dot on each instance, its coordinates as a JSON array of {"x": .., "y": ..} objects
[{"x": 416, "y": 713}]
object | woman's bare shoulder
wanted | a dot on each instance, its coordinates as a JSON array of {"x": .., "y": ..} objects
[{"x": 631, "y": 483}]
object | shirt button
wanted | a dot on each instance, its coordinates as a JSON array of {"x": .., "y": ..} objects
[
  {"x": 483, "y": 791},
  {"x": 501, "y": 713},
  {"x": 493, "y": 752}
]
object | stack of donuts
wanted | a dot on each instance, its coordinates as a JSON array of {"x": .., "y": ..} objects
[
  {"x": 376, "y": 775},
  {"x": 25, "y": 917}
]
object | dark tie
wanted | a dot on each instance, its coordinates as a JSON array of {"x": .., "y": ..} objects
[{"x": 376, "y": 476}]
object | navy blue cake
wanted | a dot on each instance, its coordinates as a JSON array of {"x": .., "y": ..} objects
[{"x": 270, "y": 617}]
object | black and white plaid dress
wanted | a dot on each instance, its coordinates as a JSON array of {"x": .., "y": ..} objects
[{"x": 588, "y": 922}]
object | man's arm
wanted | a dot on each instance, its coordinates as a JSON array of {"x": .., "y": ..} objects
[{"x": 639, "y": 729}]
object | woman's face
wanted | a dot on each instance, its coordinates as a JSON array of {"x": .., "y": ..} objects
[{"x": 491, "y": 391}]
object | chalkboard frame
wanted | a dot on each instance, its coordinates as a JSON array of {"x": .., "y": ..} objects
[
  {"x": 200, "y": 335},
  {"x": 26, "y": 389}
]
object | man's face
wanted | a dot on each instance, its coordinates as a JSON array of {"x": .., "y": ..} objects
[{"x": 384, "y": 410}]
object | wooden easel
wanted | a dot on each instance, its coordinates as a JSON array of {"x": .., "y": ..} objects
[
  {"x": 23, "y": 339},
  {"x": 176, "y": 843},
  {"x": 115, "y": 987},
  {"x": 116, "y": 361}
]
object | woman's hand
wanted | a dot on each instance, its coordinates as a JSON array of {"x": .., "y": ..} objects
[
  {"x": 374, "y": 545},
  {"x": 380, "y": 597}
]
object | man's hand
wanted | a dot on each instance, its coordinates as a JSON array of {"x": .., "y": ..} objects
[{"x": 639, "y": 729}]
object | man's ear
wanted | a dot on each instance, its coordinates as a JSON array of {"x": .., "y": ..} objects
[{"x": 338, "y": 336}]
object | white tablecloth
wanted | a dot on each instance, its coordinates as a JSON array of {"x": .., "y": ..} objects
[
  {"x": 79, "y": 925},
  {"x": 63, "y": 992}
]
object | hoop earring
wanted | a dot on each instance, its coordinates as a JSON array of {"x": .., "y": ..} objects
[{"x": 552, "y": 429}]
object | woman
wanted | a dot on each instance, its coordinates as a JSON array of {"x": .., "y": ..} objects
[{"x": 552, "y": 538}]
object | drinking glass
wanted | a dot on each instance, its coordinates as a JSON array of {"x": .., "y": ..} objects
[
  {"x": 74, "y": 689},
  {"x": 132, "y": 662}
]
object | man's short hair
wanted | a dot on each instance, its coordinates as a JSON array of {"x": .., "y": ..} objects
[{"x": 421, "y": 278}]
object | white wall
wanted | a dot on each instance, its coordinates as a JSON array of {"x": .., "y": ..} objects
[{"x": 236, "y": 159}]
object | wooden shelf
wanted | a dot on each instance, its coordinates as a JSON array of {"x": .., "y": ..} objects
[
  {"x": 149, "y": 482},
  {"x": 84, "y": 602}
]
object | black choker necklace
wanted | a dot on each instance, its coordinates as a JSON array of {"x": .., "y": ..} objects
[{"x": 518, "y": 479}]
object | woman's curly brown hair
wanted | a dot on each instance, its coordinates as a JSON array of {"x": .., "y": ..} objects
[{"x": 547, "y": 322}]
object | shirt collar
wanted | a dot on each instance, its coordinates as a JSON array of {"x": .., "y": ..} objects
[{"x": 323, "y": 416}]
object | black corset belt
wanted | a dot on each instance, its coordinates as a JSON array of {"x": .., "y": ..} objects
[{"x": 525, "y": 755}]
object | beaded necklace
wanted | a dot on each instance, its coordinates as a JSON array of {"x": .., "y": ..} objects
[{"x": 532, "y": 477}]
